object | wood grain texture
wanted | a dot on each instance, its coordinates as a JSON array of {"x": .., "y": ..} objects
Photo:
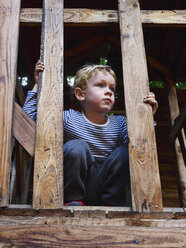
[
  {"x": 144, "y": 170},
  {"x": 174, "y": 112},
  {"x": 91, "y": 235},
  {"x": 105, "y": 16},
  {"x": 91, "y": 221},
  {"x": 9, "y": 27},
  {"x": 24, "y": 129},
  {"x": 48, "y": 177},
  {"x": 179, "y": 123},
  {"x": 20, "y": 93}
]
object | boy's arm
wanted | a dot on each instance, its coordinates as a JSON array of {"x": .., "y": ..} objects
[
  {"x": 30, "y": 105},
  {"x": 39, "y": 67}
]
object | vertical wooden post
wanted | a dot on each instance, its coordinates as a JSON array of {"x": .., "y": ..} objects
[
  {"x": 145, "y": 180},
  {"x": 48, "y": 177},
  {"x": 9, "y": 31},
  {"x": 174, "y": 112}
]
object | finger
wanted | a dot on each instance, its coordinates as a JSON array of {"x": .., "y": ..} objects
[
  {"x": 39, "y": 68},
  {"x": 149, "y": 99},
  {"x": 39, "y": 63},
  {"x": 151, "y": 94}
]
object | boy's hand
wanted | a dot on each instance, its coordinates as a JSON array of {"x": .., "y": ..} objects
[
  {"x": 39, "y": 67},
  {"x": 150, "y": 98}
]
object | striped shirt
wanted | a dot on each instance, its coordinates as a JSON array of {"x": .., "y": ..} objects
[{"x": 102, "y": 139}]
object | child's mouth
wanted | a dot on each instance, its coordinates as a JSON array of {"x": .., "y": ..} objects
[{"x": 107, "y": 100}]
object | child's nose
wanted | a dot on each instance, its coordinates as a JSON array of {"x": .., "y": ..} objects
[{"x": 109, "y": 91}]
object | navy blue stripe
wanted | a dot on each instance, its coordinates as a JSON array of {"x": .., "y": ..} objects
[{"x": 102, "y": 139}]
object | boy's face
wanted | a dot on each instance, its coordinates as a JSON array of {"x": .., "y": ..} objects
[{"x": 99, "y": 93}]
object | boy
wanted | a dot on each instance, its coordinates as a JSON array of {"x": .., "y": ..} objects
[{"x": 96, "y": 166}]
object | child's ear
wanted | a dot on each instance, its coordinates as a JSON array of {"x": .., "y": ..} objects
[{"x": 79, "y": 93}]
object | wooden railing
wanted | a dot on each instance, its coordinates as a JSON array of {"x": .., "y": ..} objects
[{"x": 44, "y": 140}]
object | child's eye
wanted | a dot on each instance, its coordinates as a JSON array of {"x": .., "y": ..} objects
[
  {"x": 112, "y": 89},
  {"x": 100, "y": 85}
]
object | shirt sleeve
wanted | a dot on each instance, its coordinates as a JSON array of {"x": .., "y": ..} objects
[
  {"x": 30, "y": 105},
  {"x": 67, "y": 114},
  {"x": 124, "y": 134}
]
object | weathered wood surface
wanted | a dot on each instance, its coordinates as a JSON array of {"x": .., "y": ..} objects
[
  {"x": 48, "y": 177},
  {"x": 92, "y": 212},
  {"x": 24, "y": 129},
  {"x": 144, "y": 171},
  {"x": 105, "y": 16},
  {"x": 179, "y": 123},
  {"x": 174, "y": 112},
  {"x": 96, "y": 220},
  {"x": 91, "y": 234},
  {"x": 20, "y": 93},
  {"x": 9, "y": 27}
]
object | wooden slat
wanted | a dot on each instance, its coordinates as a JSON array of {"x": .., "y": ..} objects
[
  {"x": 24, "y": 129},
  {"x": 48, "y": 178},
  {"x": 95, "y": 219},
  {"x": 145, "y": 180},
  {"x": 105, "y": 16},
  {"x": 182, "y": 141},
  {"x": 92, "y": 212},
  {"x": 174, "y": 112},
  {"x": 20, "y": 93},
  {"x": 92, "y": 234},
  {"x": 179, "y": 122},
  {"x": 9, "y": 27}
]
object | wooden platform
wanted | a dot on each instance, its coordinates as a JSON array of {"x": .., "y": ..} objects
[{"x": 92, "y": 227}]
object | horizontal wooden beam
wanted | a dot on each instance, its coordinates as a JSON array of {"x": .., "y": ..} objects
[
  {"x": 61, "y": 218},
  {"x": 24, "y": 129},
  {"x": 93, "y": 233},
  {"x": 90, "y": 16}
]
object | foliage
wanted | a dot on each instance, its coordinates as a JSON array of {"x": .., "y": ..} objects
[
  {"x": 159, "y": 84},
  {"x": 103, "y": 61}
]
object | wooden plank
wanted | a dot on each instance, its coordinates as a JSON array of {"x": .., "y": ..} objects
[
  {"x": 163, "y": 17},
  {"x": 182, "y": 141},
  {"x": 92, "y": 220},
  {"x": 92, "y": 212},
  {"x": 20, "y": 93},
  {"x": 95, "y": 235},
  {"x": 48, "y": 177},
  {"x": 144, "y": 171},
  {"x": 9, "y": 27},
  {"x": 179, "y": 122},
  {"x": 31, "y": 15},
  {"x": 24, "y": 129},
  {"x": 174, "y": 112}
]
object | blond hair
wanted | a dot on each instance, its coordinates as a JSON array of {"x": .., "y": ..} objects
[{"x": 85, "y": 72}]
